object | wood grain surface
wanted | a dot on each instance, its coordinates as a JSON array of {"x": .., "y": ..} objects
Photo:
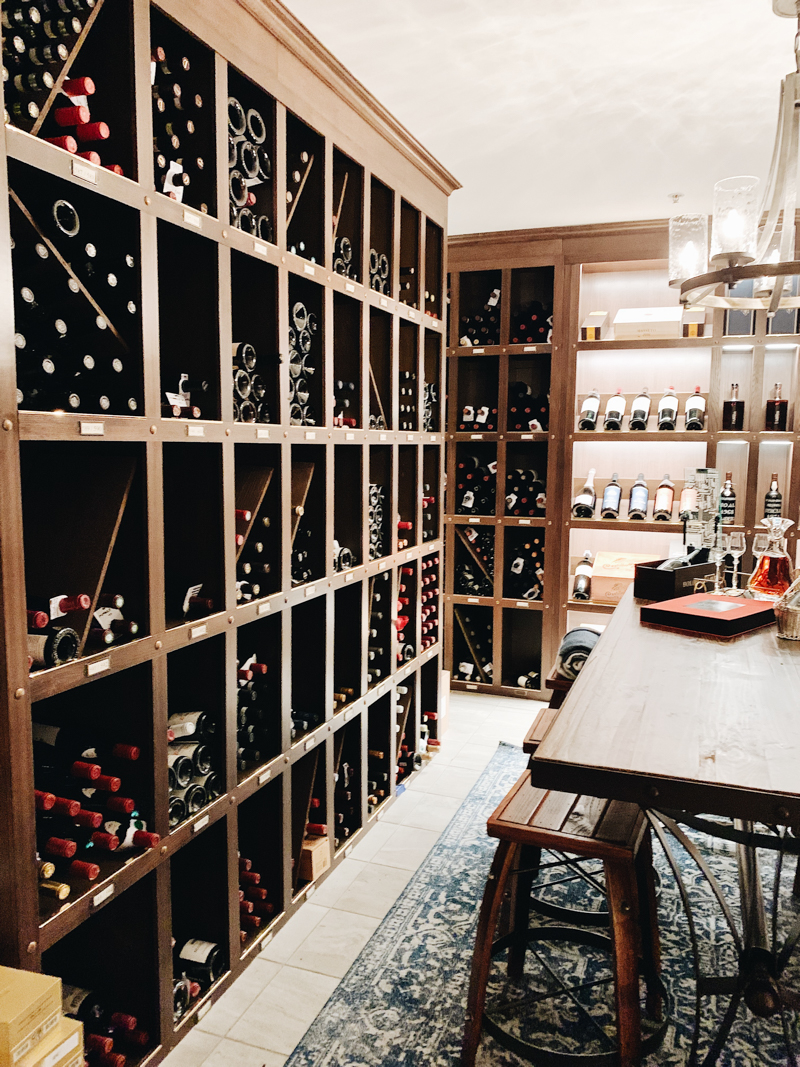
[{"x": 722, "y": 713}]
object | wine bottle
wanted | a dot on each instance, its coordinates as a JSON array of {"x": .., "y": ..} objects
[
  {"x": 777, "y": 410},
  {"x": 53, "y": 648},
  {"x": 584, "y": 503},
  {"x": 196, "y": 724},
  {"x": 668, "y": 410},
  {"x": 773, "y": 501},
  {"x": 690, "y": 559},
  {"x": 587, "y": 420},
  {"x": 582, "y": 586},
  {"x": 612, "y": 495},
  {"x": 201, "y": 960},
  {"x": 74, "y": 743},
  {"x": 727, "y": 502},
  {"x": 615, "y": 412},
  {"x": 640, "y": 411},
  {"x": 662, "y": 505},
  {"x": 695, "y": 410},
  {"x": 733, "y": 410},
  {"x": 688, "y": 504},
  {"x": 199, "y": 755},
  {"x": 638, "y": 499}
]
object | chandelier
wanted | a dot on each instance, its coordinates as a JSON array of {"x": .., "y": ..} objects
[{"x": 751, "y": 238}]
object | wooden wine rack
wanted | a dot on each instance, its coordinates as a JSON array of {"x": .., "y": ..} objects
[
  {"x": 606, "y": 267},
  {"x": 96, "y": 501}
]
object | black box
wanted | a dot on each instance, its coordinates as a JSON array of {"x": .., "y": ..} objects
[{"x": 650, "y": 583}]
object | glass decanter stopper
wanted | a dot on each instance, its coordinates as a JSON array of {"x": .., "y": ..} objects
[{"x": 772, "y": 575}]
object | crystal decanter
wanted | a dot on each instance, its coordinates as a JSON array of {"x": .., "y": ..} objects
[{"x": 773, "y": 572}]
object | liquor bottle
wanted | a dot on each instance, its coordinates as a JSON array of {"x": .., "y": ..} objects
[
  {"x": 777, "y": 410},
  {"x": 638, "y": 499},
  {"x": 727, "y": 502},
  {"x": 688, "y": 505},
  {"x": 615, "y": 412},
  {"x": 584, "y": 503},
  {"x": 668, "y": 410},
  {"x": 640, "y": 411},
  {"x": 662, "y": 505},
  {"x": 612, "y": 495},
  {"x": 733, "y": 410},
  {"x": 695, "y": 410},
  {"x": 587, "y": 420},
  {"x": 582, "y": 586},
  {"x": 773, "y": 501}
]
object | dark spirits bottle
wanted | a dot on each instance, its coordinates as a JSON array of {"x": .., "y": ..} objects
[
  {"x": 727, "y": 502},
  {"x": 773, "y": 501},
  {"x": 777, "y": 410},
  {"x": 733, "y": 410}
]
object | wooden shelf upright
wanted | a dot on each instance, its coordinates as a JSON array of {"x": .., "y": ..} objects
[{"x": 149, "y": 505}]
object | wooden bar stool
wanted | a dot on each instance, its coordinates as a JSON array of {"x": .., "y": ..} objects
[{"x": 611, "y": 831}]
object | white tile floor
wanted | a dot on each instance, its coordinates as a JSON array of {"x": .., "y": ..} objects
[{"x": 263, "y": 1016}]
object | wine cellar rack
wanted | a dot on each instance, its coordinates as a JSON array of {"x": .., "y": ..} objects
[
  {"x": 579, "y": 270},
  {"x": 210, "y": 411}
]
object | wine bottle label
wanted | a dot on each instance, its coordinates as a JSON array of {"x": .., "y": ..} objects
[
  {"x": 48, "y": 735},
  {"x": 611, "y": 498},
  {"x": 197, "y": 951},
  {"x": 773, "y": 507},
  {"x": 467, "y": 501},
  {"x": 639, "y": 414},
  {"x": 615, "y": 408},
  {"x": 591, "y": 406},
  {"x": 638, "y": 501},
  {"x": 493, "y": 299},
  {"x": 727, "y": 509},
  {"x": 517, "y": 565},
  {"x": 584, "y": 499},
  {"x": 695, "y": 414},
  {"x": 487, "y": 669},
  {"x": 668, "y": 409},
  {"x": 466, "y": 668},
  {"x": 663, "y": 501},
  {"x": 72, "y": 997},
  {"x": 483, "y": 415}
]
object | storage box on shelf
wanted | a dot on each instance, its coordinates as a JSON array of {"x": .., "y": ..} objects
[
  {"x": 617, "y": 338},
  {"x": 208, "y": 390}
]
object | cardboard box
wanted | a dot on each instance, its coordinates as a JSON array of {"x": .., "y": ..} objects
[
  {"x": 693, "y": 321},
  {"x": 594, "y": 326},
  {"x": 63, "y": 1047},
  {"x": 30, "y": 1007},
  {"x": 638, "y": 324},
  {"x": 652, "y": 584},
  {"x": 315, "y": 858},
  {"x": 612, "y": 573}
]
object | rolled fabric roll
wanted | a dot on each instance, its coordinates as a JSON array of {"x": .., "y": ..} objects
[{"x": 574, "y": 651}]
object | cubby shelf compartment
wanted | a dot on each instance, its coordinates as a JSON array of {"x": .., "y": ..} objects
[
  {"x": 260, "y": 861},
  {"x": 198, "y": 285},
  {"x": 89, "y": 490}
]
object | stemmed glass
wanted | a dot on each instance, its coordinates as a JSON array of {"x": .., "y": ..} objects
[{"x": 735, "y": 545}]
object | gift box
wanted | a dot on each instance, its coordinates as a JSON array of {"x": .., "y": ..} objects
[
  {"x": 640, "y": 324},
  {"x": 713, "y": 614},
  {"x": 650, "y": 583}
]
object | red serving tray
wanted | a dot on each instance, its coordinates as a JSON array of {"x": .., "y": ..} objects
[{"x": 705, "y": 613}]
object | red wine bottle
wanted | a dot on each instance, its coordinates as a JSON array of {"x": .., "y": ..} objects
[{"x": 75, "y": 743}]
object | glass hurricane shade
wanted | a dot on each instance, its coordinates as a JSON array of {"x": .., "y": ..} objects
[
  {"x": 688, "y": 247},
  {"x": 735, "y": 220}
]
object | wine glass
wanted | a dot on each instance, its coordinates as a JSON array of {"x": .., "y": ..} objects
[{"x": 735, "y": 545}]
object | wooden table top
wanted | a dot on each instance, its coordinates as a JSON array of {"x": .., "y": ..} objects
[{"x": 671, "y": 720}]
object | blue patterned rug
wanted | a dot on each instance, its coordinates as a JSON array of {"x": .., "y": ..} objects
[{"x": 402, "y": 1002}]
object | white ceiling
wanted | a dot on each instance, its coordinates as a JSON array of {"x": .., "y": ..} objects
[{"x": 554, "y": 112}]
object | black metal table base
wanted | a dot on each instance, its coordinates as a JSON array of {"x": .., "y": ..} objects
[{"x": 762, "y": 961}]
